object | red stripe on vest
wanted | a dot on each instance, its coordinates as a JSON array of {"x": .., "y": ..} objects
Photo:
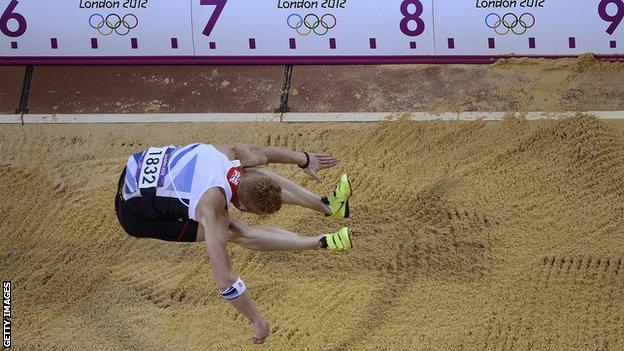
[{"x": 233, "y": 177}]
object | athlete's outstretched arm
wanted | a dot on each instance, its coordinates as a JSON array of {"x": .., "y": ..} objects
[
  {"x": 214, "y": 219},
  {"x": 252, "y": 155}
]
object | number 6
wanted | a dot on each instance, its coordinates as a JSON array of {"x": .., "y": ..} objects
[{"x": 8, "y": 15}]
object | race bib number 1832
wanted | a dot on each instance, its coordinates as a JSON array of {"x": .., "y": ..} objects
[{"x": 150, "y": 168}]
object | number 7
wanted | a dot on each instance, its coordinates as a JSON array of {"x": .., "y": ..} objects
[{"x": 215, "y": 15}]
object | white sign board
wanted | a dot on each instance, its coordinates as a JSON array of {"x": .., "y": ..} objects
[
  {"x": 304, "y": 31},
  {"x": 320, "y": 28},
  {"x": 84, "y": 28},
  {"x": 529, "y": 27}
]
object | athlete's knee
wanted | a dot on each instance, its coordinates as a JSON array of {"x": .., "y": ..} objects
[
  {"x": 237, "y": 227},
  {"x": 241, "y": 233}
]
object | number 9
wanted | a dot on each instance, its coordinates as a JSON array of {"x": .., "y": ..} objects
[{"x": 615, "y": 19}]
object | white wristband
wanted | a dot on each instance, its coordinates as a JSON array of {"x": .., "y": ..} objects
[{"x": 234, "y": 291}]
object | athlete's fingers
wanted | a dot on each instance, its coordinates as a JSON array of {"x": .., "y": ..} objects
[
  {"x": 327, "y": 160},
  {"x": 317, "y": 178},
  {"x": 311, "y": 173},
  {"x": 324, "y": 161},
  {"x": 329, "y": 163},
  {"x": 316, "y": 164},
  {"x": 256, "y": 340},
  {"x": 327, "y": 157}
]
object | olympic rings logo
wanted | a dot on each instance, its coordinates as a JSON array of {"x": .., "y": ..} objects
[
  {"x": 509, "y": 22},
  {"x": 312, "y": 23},
  {"x": 113, "y": 23}
]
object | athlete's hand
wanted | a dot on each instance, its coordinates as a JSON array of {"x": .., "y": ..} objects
[
  {"x": 319, "y": 162},
  {"x": 262, "y": 330}
]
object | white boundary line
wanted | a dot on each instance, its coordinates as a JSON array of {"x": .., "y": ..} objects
[
  {"x": 10, "y": 119},
  {"x": 446, "y": 116},
  {"x": 288, "y": 117},
  {"x": 141, "y": 118}
]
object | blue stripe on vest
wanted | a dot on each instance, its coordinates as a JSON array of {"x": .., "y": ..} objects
[{"x": 182, "y": 153}]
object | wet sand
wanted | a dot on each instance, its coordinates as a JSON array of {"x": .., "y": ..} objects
[{"x": 468, "y": 236}]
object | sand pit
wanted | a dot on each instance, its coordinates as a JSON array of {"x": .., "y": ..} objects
[{"x": 469, "y": 236}]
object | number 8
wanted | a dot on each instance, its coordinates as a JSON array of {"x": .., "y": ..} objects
[{"x": 409, "y": 17}]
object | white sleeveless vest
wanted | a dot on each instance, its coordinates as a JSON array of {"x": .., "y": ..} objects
[{"x": 185, "y": 173}]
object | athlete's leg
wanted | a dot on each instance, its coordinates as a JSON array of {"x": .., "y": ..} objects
[
  {"x": 270, "y": 239},
  {"x": 295, "y": 194}
]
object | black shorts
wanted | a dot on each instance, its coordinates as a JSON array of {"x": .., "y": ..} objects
[{"x": 151, "y": 216}]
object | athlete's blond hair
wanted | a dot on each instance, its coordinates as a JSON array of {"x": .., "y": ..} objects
[{"x": 260, "y": 194}]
